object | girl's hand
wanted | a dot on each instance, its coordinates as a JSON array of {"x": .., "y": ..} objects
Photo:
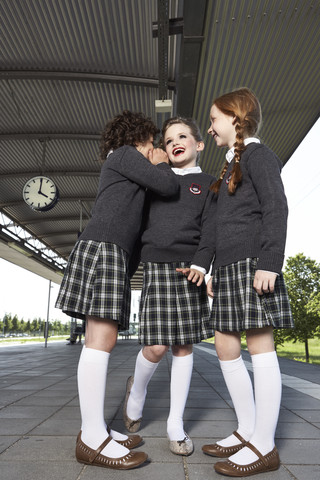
[
  {"x": 264, "y": 281},
  {"x": 158, "y": 156},
  {"x": 209, "y": 288},
  {"x": 192, "y": 274}
]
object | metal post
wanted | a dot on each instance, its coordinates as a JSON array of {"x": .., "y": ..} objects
[
  {"x": 80, "y": 226},
  {"x": 47, "y": 321},
  {"x": 163, "y": 34}
]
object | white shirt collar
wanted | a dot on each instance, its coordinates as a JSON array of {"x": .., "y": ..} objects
[
  {"x": 186, "y": 171},
  {"x": 230, "y": 153}
]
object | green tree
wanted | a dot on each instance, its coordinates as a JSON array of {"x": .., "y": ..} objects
[
  {"x": 15, "y": 324},
  {"x": 35, "y": 326},
  {"x": 302, "y": 276},
  {"x": 314, "y": 308},
  {"x": 7, "y": 321},
  {"x": 280, "y": 335},
  {"x": 28, "y": 326},
  {"x": 22, "y": 325}
]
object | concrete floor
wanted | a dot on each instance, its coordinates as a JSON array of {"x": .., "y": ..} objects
[{"x": 39, "y": 416}]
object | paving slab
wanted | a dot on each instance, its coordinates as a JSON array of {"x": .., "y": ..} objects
[{"x": 40, "y": 418}]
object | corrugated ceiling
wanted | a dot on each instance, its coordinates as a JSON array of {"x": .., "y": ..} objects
[{"x": 67, "y": 67}]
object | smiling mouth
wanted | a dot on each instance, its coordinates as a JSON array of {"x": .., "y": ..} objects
[{"x": 178, "y": 151}]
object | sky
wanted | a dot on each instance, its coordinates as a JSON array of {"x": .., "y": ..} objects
[{"x": 26, "y": 294}]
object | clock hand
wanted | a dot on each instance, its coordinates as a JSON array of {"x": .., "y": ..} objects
[{"x": 40, "y": 193}]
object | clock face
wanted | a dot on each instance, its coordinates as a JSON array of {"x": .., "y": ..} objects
[{"x": 40, "y": 193}]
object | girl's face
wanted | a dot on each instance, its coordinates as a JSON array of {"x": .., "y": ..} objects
[
  {"x": 181, "y": 146},
  {"x": 222, "y": 128},
  {"x": 145, "y": 148}
]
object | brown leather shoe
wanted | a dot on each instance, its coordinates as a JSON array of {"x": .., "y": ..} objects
[
  {"x": 131, "y": 425},
  {"x": 216, "y": 450},
  {"x": 131, "y": 442},
  {"x": 87, "y": 455},
  {"x": 266, "y": 463}
]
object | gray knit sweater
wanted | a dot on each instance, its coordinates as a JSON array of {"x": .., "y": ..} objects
[
  {"x": 253, "y": 221},
  {"x": 117, "y": 213},
  {"x": 179, "y": 228}
]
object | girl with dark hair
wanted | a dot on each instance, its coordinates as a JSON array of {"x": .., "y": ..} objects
[
  {"x": 174, "y": 312},
  {"x": 96, "y": 284},
  {"x": 247, "y": 284}
]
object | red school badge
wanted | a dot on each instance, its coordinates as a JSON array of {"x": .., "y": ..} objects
[
  {"x": 195, "y": 189},
  {"x": 228, "y": 178}
]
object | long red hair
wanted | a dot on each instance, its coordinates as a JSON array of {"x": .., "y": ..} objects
[{"x": 245, "y": 107}]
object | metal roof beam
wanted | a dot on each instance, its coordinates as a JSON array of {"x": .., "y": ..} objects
[
  {"x": 64, "y": 245},
  {"x": 163, "y": 34},
  {"x": 50, "y": 136},
  {"x": 15, "y": 203},
  {"x": 175, "y": 27},
  {"x": 82, "y": 77},
  {"x": 194, "y": 14},
  {"x": 49, "y": 173},
  {"x": 57, "y": 233},
  {"x": 34, "y": 221},
  {"x": 22, "y": 248}
]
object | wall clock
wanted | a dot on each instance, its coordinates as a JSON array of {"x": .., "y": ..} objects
[{"x": 40, "y": 193}]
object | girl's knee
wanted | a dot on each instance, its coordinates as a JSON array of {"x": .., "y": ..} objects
[
  {"x": 181, "y": 350},
  {"x": 260, "y": 340},
  {"x": 154, "y": 353},
  {"x": 228, "y": 345}
]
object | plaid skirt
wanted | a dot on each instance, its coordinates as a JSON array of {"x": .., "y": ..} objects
[
  {"x": 173, "y": 311},
  {"x": 96, "y": 282},
  {"x": 237, "y": 306}
]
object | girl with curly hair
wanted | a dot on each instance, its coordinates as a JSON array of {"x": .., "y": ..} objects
[{"x": 96, "y": 284}]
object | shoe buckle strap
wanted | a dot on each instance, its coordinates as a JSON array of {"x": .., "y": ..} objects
[
  {"x": 256, "y": 451},
  {"x": 95, "y": 453},
  {"x": 238, "y": 436}
]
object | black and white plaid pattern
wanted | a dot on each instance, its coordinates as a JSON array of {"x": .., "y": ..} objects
[
  {"x": 237, "y": 306},
  {"x": 96, "y": 282},
  {"x": 173, "y": 311}
]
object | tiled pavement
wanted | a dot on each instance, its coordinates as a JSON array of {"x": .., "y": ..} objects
[{"x": 39, "y": 416}]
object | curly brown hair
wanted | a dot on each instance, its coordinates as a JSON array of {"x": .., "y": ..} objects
[{"x": 128, "y": 128}]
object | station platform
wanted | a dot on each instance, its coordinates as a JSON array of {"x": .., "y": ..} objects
[{"x": 40, "y": 418}]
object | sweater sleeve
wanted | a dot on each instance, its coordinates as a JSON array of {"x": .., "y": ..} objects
[
  {"x": 205, "y": 251},
  {"x": 264, "y": 169},
  {"x": 158, "y": 178}
]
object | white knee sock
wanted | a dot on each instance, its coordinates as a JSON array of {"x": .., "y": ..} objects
[
  {"x": 92, "y": 377},
  {"x": 267, "y": 387},
  {"x": 181, "y": 372},
  {"x": 240, "y": 389},
  {"x": 144, "y": 370}
]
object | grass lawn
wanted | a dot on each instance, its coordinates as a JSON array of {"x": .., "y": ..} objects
[
  {"x": 23, "y": 340},
  {"x": 294, "y": 351}
]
